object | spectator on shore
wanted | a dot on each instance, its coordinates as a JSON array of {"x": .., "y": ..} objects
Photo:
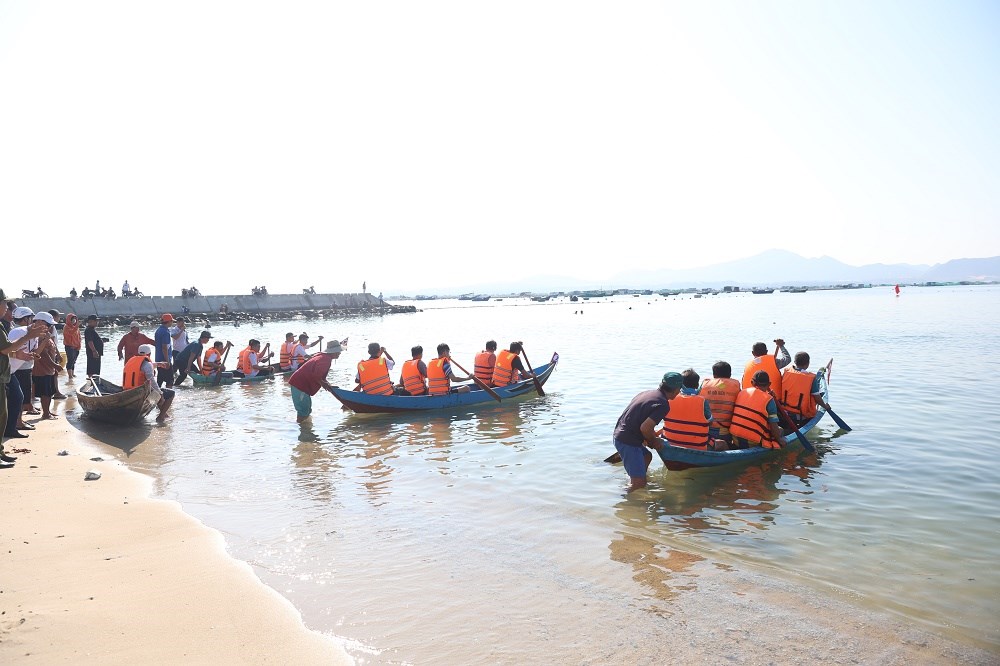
[
  {"x": 71, "y": 343},
  {"x": 94, "y": 346},
  {"x": 23, "y": 363},
  {"x": 58, "y": 395},
  {"x": 6, "y": 348},
  {"x": 129, "y": 345},
  {"x": 47, "y": 365},
  {"x": 178, "y": 337}
]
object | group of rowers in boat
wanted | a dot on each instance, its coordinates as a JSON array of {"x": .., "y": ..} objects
[
  {"x": 722, "y": 413},
  {"x": 491, "y": 369}
]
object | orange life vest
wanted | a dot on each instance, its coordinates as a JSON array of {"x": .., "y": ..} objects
[
  {"x": 374, "y": 376},
  {"x": 504, "y": 372},
  {"x": 412, "y": 380},
  {"x": 285, "y": 354},
  {"x": 298, "y": 355},
  {"x": 132, "y": 375},
  {"x": 685, "y": 423},
  {"x": 205, "y": 370},
  {"x": 244, "y": 365},
  {"x": 767, "y": 364},
  {"x": 485, "y": 362},
  {"x": 438, "y": 383},
  {"x": 721, "y": 394},
  {"x": 796, "y": 392},
  {"x": 750, "y": 418}
]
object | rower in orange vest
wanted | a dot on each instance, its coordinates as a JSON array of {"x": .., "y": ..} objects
[
  {"x": 801, "y": 390},
  {"x": 687, "y": 422},
  {"x": 440, "y": 374},
  {"x": 373, "y": 373},
  {"x": 771, "y": 364},
  {"x": 755, "y": 416},
  {"x": 486, "y": 360},
  {"x": 413, "y": 377},
  {"x": 721, "y": 391}
]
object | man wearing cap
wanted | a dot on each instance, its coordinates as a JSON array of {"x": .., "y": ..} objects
[
  {"x": 164, "y": 352},
  {"x": 46, "y": 367},
  {"x": 310, "y": 378},
  {"x": 94, "y": 345},
  {"x": 139, "y": 370},
  {"x": 58, "y": 395},
  {"x": 24, "y": 360},
  {"x": 129, "y": 345},
  {"x": 190, "y": 357},
  {"x": 636, "y": 428},
  {"x": 8, "y": 347},
  {"x": 755, "y": 416}
]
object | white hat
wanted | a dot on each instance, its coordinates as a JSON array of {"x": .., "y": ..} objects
[
  {"x": 46, "y": 317},
  {"x": 146, "y": 349},
  {"x": 333, "y": 347},
  {"x": 22, "y": 312},
  {"x": 134, "y": 324}
]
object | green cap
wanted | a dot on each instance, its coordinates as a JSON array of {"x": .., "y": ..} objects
[{"x": 673, "y": 380}]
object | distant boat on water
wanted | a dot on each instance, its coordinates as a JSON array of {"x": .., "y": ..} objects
[
  {"x": 763, "y": 291},
  {"x": 479, "y": 298}
]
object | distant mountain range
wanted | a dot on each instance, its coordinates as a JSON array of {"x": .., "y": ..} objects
[{"x": 773, "y": 268}]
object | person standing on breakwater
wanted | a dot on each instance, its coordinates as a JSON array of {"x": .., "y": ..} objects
[
  {"x": 310, "y": 378},
  {"x": 636, "y": 428}
]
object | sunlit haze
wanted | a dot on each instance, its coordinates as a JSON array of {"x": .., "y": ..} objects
[{"x": 423, "y": 145}]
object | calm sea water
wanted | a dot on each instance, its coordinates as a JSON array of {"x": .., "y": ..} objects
[{"x": 500, "y": 534}]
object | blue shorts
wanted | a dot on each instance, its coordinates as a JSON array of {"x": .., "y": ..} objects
[
  {"x": 302, "y": 402},
  {"x": 634, "y": 458}
]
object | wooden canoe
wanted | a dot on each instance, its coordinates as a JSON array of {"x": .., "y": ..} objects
[
  {"x": 366, "y": 403},
  {"x": 228, "y": 378},
  {"x": 678, "y": 458},
  {"x": 113, "y": 404}
]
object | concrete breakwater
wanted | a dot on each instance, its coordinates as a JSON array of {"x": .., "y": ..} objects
[{"x": 218, "y": 308}]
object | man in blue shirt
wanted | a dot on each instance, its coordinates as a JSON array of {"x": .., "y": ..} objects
[{"x": 164, "y": 375}]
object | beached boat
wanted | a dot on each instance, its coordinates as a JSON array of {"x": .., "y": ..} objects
[
  {"x": 228, "y": 378},
  {"x": 367, "y": 403},
  {"x": 104, "y": 401}
]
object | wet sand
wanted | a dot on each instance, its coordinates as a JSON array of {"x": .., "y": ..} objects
[{"x": 97, "y": 571}]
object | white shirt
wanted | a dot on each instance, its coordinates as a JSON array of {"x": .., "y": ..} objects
[
  {"x": 178, "y": 342},
  {"x": 17, "y": 333}
]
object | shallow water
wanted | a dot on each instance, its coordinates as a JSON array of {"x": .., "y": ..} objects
[{"x": 500, "y": 535}]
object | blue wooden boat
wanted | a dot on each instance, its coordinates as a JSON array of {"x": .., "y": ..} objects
[
  {"x": 677, "y": 458},
  {"x": 366, "y": 403},
  {"x": 229, "y": 378}
]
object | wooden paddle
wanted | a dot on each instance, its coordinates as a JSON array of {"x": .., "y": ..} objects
[
  {"x": 222, "y": 361},
  {"x": 806, "y": 444},
  {"x": 483, "y": 385},
  {"x": 614, "y": 458},
  {"x": 833, "y": 415},
  {"x": 93, "y": 381},
  {"x": 538, "y": 384}
]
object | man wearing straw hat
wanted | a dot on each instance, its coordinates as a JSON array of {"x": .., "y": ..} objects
[{"x": 310, "y": 378}]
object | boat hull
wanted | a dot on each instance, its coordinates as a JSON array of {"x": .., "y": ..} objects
[
  {"x": 112, "y": 404},
  {"x": 365, "y": 403},
  {"x": 229, "y": 378}
]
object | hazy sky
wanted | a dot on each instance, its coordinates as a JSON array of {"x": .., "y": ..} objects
[{"x": 420, "y": 145}]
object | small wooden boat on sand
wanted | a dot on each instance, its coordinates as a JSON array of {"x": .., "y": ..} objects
[
  {"x": 103, "y": 401},
  {"x": 367, "y": 403}
]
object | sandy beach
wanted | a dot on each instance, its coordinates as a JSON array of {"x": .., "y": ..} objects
[{"x": 98, "y": 572}]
